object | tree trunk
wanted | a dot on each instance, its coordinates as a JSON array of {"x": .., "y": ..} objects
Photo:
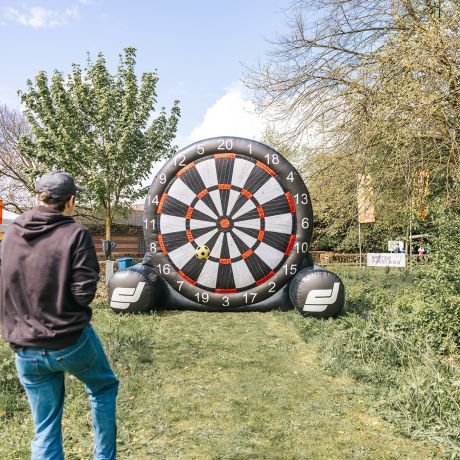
[{"x": 108, "y": 223}]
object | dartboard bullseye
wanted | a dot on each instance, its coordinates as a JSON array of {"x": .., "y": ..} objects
[{"x": 244, "y": 202}]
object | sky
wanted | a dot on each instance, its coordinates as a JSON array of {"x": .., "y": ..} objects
[{"x": 200, "y": 49}]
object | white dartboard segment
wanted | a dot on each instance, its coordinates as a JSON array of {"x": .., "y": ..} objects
[
  {"x": 171, "y": 224},
  {"x": 241, "y": 171},
  {"x": 269, "y": 191},
  {"x": 248, "y": 206},
  {"x": 181, "y": 192},
  {"x": 200, "y": 206},
  {"x": 207, "y": 171}
]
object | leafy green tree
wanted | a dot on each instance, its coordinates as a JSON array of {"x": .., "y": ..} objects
[{"x": 99, "y": 128}]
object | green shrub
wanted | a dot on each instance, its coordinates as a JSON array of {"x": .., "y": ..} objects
[
  {"x": 10, "y": 387},
  {"x": 400, "y": 333},
  {"x": 443, "y": 274},
  {"x": 439, "y": 318}
]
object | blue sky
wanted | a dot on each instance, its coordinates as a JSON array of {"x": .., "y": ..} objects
[{"x": 199, "y": 47}]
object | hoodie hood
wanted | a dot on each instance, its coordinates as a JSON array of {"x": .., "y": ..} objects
[{"x": 40, "y": 221}]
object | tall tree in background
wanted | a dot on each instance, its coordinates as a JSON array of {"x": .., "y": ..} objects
[
  {"x": 98, "y": 127},
  {"x": 313, "y": 68},
  {"x": 377, "y": 81},
  {"x": 16, "y": 184}
]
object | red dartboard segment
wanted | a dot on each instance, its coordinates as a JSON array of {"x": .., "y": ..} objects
[
  {"x": 161, "y": 203},
  {"x": 246, "y": 193},
  {"x": 202, "y": 193},
  {"x": 291, "y": 202},
  {"x": 185, "y": 168},
  {"x": 265, "y": 278},
  {"x": 162, "y": 246},
  {"x": 265, "y": 168},
  {"x": 290, "y": 245},
  {"x": 224, "y": 155},
  {"x": 186, "y": 278},
  {"x": 225, "y": 223}
]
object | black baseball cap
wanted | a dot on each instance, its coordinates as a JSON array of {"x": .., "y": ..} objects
[{"x": 58, "y": 183}]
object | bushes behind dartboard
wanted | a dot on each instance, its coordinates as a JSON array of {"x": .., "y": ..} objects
[
  {"x": 317, "y": 292},
  {"x": 136, "y": 289}
]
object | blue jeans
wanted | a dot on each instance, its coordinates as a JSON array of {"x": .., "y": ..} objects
[{"x": 41, "y": 372}]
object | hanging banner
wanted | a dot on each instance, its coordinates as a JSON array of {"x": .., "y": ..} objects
[
  {"x": 366, "y": 210},
  {"x": 385, "y": 259}
]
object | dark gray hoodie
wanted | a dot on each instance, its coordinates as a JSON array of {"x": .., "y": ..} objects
[{"x": 48, "y": 277}]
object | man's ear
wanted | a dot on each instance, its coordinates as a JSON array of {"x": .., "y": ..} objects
[{"x": 71, "y": 200}]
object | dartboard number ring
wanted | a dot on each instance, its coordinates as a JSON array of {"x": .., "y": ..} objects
[{"x": 243, "y": 201}]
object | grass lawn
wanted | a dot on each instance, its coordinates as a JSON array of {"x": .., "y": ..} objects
[{"x": 221, "y": 386}]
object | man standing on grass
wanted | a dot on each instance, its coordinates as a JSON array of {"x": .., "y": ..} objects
[{"x": 48, "y": 278}]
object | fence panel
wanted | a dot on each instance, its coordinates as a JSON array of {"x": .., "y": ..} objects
[{"x": 127, "y": 245}]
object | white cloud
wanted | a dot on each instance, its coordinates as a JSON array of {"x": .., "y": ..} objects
[
  {"x": 40, "y": 18},
  {"x": 232, "y": 115}
]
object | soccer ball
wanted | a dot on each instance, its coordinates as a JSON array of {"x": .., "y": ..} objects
[{"x": 202, "y": 252}]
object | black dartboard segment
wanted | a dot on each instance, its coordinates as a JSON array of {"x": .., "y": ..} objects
[{"x": 243, "y": 201}]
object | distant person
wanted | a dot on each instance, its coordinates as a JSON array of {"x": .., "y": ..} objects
[
  {"x": 48, "y": 277},
  {"x": 421, "y": 251}
]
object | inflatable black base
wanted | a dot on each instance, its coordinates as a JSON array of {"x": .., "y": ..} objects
[
  {"x": 314, "y": 291},
  {"x": 317, "y": 292},
  {"x": 174, "y": 301}
]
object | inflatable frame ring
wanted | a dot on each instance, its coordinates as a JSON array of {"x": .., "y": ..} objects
[{"x": 246, "y": 202}]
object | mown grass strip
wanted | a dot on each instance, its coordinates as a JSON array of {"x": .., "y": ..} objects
[{"x": 202, "y": 385}]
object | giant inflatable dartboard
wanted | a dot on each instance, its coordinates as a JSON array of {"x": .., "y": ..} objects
[{"x": 242, "y": 200}]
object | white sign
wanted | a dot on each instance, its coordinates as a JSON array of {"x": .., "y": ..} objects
[
  {"x": 7, "y": 218},
  {"x": 386, "y": 260}
]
